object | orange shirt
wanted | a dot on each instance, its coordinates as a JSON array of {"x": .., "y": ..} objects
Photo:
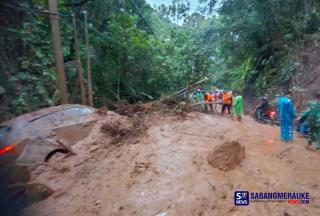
[
  {"x": 227, "y": 98},
  {"x": 208, "y": 97}
]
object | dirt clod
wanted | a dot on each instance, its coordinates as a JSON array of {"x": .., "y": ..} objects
[
  {"x": 114, "y": 129},
  {"x": 102, "y": 111},
  {"x": 227, "y": 156},
  {"x": 139, "y": 168},
  {"x": 121, "y": 132},
  {"x": 127, "y": 109},
  {"x": 140, "y": 107}
]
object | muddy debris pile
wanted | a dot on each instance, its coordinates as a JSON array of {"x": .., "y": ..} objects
[
  {"x": 175, "y": 105},
  {"x": 227, "y": 156},
  {"x": 102, "y": 111},
  {"x": 122, "y": 133},
  {"x": 164, "y": 105},
  {"x": 127, "y": 109}
]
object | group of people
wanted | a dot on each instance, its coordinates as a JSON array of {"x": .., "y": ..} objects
[
  {"x": 231, "y": 101},
  {"x": 308, "y": 122}
]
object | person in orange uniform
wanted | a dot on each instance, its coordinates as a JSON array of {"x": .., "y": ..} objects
[
  {"x": 214, "y": 95},
  {"x": 208, "y": 101},
  {"x": 226, "y": 102}
]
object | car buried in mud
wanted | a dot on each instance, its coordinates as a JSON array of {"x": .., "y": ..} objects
[{"x": 32, "y": 139}]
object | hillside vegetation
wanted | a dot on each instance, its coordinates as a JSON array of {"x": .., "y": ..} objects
[{"x": 139, "y": 53}]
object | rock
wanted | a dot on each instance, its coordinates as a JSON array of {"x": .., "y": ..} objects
[{"x": 227, "y": 156}]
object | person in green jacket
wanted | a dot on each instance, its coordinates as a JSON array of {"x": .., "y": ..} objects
[
  {"x": 312, "y": 120},
  {"x": 199, "y": 96},
  {"x": 237, "y": 106}
]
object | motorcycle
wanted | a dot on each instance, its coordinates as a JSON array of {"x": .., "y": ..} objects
[{"x": 268, "y": 117}]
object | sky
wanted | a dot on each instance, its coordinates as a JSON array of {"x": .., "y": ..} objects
[{"x": 194, "y": 4}]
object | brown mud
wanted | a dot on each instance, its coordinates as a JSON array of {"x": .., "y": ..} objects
[
  {"x": 163, "y": 169},
  {"x": 227, "y": 156}
]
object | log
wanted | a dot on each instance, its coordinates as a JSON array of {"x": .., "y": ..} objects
[
  {"x": 200, "y": 103},
  {"x": 191, "y": 86}
]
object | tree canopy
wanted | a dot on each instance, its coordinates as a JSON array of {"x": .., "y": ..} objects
[{"x": 139, "y": 53}]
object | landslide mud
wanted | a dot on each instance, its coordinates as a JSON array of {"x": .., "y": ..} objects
[
  {"x": 165, "y": 171},
  {"x": 227, "y": 156}
]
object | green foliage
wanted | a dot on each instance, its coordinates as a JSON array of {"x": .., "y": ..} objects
[
  {"x": 137, "y": 52},
  {"x": 266, "y": 34},
  {"x": 33, "y": 84}
]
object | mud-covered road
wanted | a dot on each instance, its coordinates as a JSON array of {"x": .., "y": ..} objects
[{"x": 165, "y": 171}]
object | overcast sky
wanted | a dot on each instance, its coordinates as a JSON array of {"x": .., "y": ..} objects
[{"x": 194, "y": 4}]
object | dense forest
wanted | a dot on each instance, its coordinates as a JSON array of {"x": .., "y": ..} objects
[{"x": 138, "y": 52}]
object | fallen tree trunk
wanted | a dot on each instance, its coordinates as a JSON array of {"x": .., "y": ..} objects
[
  {"x": 193, "y": 85},
  {"x": 200, "y": 103}
]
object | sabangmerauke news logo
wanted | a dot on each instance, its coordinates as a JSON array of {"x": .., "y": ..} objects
[{"x": 242, "y": 198}]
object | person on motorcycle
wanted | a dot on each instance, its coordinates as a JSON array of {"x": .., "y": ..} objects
[{"x": 262, "y": 108}]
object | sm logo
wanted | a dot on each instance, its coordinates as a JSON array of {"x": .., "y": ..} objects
[{"x": 241, "y": 198}]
